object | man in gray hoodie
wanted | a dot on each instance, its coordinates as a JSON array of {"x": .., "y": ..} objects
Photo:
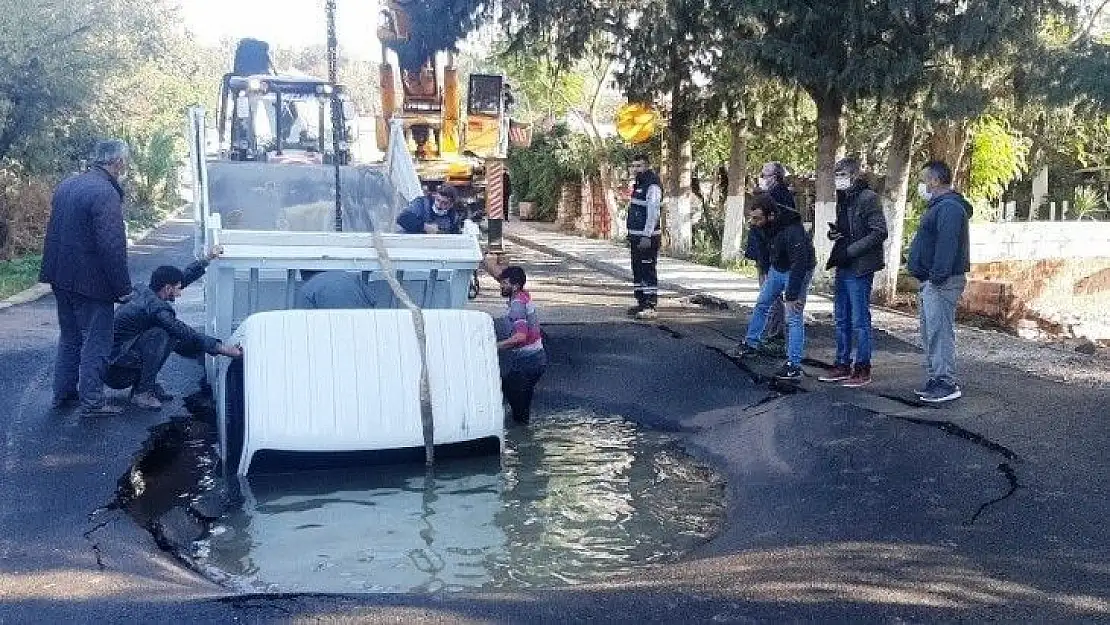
[{"x": 940, "y": 256}]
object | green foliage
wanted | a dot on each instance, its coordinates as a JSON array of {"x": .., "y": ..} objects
[
  {"x": 548, "y": 88},
  {"x": 998, "y": 157},
  {"x": 19, "y": 274},
  {"x": 437, "y": 25},
  {"x": 153, "y": 177},
  {"x": 1088, "y": 203}
]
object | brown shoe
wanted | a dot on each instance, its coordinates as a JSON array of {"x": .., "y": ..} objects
[
  {"x": 839, "y": 373},
  {"x": 861, "y": 376},
  {"x": 146, "y": 401}
]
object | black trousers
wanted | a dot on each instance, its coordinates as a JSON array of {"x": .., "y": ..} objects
[
  {"x": 645, "y": 276},
  {"x": 138, "y": 367},
  {"x": 518, "y": 388}
]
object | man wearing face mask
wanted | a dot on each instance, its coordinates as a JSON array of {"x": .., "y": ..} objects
[
  {"x": 437, "y": 213},
  {"x": 84, "y": 260},
  {"x": 940, "y": 256},
  {"x": 772, "y": 180},
  {"x": 857, "y": 254}
]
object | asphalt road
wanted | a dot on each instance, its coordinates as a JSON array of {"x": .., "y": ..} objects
[{"x": 837, "y": 511}]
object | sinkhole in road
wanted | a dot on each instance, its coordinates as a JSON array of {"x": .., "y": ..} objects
[{"x": 575, "y": 497}]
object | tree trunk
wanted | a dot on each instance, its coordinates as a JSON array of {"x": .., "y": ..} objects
[
  {"x": 948, "y": 143},
  {"x": 830, "y": 129},
  {"x": 676, "y": 192},
  {"x": 732, "y": 241},
  {"x": 894, "y": 194}
]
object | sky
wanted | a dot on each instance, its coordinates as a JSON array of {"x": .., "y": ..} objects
[{"x": 285, "y": 23}]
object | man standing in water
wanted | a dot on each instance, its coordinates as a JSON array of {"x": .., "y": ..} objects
[{"x": 519, "y": 341}]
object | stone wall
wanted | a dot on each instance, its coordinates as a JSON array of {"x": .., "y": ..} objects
[{"x": 1054, "y": 275}]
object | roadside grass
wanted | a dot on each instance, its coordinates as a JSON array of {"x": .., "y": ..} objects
[{"x": 19, "y": 274}]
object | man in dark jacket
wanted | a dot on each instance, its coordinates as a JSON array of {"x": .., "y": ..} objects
[
  {"x": 792, "y": 259},
  {"x": 645, "y": 235},
  {"x": 84, "y": 260},
  {"x": 940, "y": 256},
  {"x": 772, "y": 180},
  {"x": 147, "y": 330},
  {"x": 437, "y": 213},
  {"x": 857, "y": 254}
]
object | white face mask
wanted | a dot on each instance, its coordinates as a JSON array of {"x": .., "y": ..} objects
[
  {"x": 842, "y": 183},
  {"x": 766, "y": 183},
  {"x": 923, "y": 191}
]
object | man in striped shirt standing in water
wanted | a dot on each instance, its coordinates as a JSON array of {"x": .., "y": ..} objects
[{"x": 519, "y": 341}]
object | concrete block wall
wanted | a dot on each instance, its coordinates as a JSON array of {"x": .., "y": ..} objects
[{"x": 1039, "y": 240}]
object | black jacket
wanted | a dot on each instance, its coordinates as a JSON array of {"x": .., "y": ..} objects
[
  {"x": 860, "y": 219},
  {"x": 790, "y": 250},
  {"x": 145, "y": 310},
  {"x": 421, "y": 211},
  {"x": 756, "y": 248},
  {"x": 86, "y": 248}
]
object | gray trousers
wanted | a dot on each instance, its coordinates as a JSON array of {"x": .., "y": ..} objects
[
  {"x": 83, "y": 347},
  {"x": 138, "y": 367},
  {"x": 937, "y": 306}
]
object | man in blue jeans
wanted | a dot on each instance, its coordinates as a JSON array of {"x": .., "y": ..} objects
[
  {"x": 940, "y": 256},
  {"x": 857, "y": 254},
  {"x": 792, "y": 261}
]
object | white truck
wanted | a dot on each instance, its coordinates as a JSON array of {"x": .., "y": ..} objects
[{"x": 335, "y": 380}]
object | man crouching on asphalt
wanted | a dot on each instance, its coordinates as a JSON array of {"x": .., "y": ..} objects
[
  {"x": 792, "y": 261},
  {"x": 147, "y": 330},
  {"x": 519, "y": 341}
]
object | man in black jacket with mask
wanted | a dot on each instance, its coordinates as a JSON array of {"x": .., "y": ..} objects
[
  {"x": 792, "y": 260},
  {"x": 857, "y": 254},
  {"x": 644, "y": 236}
]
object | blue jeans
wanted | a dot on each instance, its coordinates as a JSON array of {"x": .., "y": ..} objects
[
  {"x": 83, "y": 347},
  {"x": 772, "y": 290},
  {"x": 852, "y": 312}
]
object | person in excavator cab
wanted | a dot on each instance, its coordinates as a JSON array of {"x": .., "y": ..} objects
[{"x": 438, "y": 213}]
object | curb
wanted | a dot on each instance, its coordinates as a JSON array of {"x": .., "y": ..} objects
[
  {"x": 623, "y": 274},
  {"x": 40, "y": 290},
  {"x": 26, "y": 296}
]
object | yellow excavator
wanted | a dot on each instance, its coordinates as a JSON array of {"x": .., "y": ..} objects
[{"x": 446, "y": 148}]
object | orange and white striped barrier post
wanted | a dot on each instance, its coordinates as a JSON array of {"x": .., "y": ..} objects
[{"x": 495, "y": 201}]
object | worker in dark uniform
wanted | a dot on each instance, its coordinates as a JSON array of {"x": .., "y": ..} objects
[{"x": 644, "y": 237}]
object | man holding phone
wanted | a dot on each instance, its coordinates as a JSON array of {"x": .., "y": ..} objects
[{"x": 858, "y": 233}]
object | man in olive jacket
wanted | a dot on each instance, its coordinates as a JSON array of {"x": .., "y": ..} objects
[
  {"x": 859, "y": 233},
  {"x": 84, "y": 260}
]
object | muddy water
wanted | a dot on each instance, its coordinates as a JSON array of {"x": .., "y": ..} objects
[{"x": 576, "y": 497}]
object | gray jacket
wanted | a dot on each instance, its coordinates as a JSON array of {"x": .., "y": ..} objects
[{"x": 336, "y": 290}]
